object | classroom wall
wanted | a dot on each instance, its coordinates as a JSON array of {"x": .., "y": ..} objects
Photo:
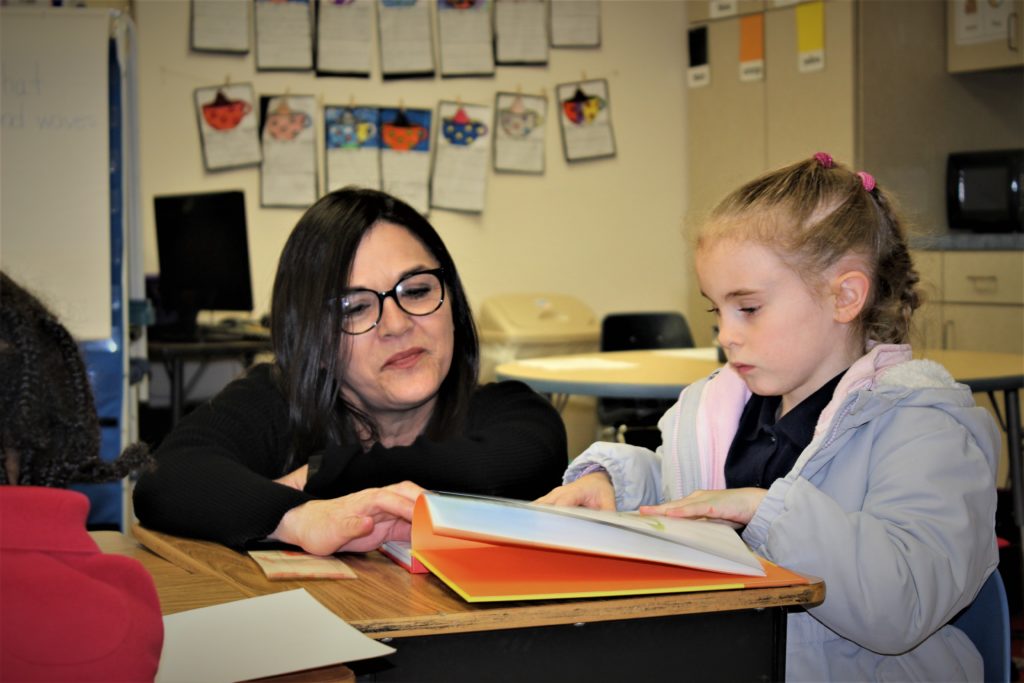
[{"x": 606, "y": 231}]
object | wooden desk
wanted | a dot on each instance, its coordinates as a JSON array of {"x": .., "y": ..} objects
[
  {"x": 441, "y": 637},
  {"x": 174, "y": 354}
]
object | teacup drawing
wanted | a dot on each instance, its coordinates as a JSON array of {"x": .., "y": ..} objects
[
  {"x": 582, "y": 109},
  {"x": 285, "y": 124},
  {"x": 402, "y": 138},
  {"x": 224, "y": 113},
  {"x": 350, "y": 135},
  {"x": 462, "y": 130},
  {"x": 519, "y": 124}
]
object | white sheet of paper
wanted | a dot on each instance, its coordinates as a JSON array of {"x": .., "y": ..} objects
[
  {"x": 220, "y": 25},
  {"x": 345, "y": 37},
  {"x": 521, "y": 32},
  {"x": 406, "y": 40},
  {"x": 257, "y": 637},
  {"x": 284, "y": 35}
]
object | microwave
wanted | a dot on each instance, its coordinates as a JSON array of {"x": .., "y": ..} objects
[{"x": 983, "y": 191}]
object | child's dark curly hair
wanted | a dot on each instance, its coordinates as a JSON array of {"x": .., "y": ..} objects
[{"x": 49, "y": 432}]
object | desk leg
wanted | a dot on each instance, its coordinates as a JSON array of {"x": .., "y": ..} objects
[{"x": 177, "y": 376}]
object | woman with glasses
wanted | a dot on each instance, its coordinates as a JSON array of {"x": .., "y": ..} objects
[{"x": 373, "y": 387}]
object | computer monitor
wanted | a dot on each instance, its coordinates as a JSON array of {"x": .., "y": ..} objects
[{"x": 203, "y": 252}]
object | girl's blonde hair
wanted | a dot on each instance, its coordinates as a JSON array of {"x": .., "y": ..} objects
[{"x": 815, "y": 212}]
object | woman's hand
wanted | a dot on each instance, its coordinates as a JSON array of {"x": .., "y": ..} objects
[
  {"x": 593, "y": 491},
  {"x": 357, "y": 522},
  {"x": 296, "y": 479},
  {"x": 733, "y": 505}
]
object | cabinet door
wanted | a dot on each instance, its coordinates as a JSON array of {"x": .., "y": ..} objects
[
  {"x": 983, "y": 35},
  {"x": 927, "y": 328},
  {"x": 988, "y": 277},
  {"x": 809, "y": 112},
  {"x": 983, "y": 327}
]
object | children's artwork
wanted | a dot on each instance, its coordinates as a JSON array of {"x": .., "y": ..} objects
[
  {"x": 227, "y": 126},
  {"x": 284, "y": 35},
  {"x": 466, "y": 37},
  {"x": 586, "y": 121},
  {"x": 352, "y": 138},
  {"x": 344, "y": 42},
  {"x": 520, "y": 31},
  {"x": 220, "y": 25},
  {"x": 519, "y": 132},
  {"x": 575, "y": 23},
  {"x": 463, "y": 152},
  {"x": 288, "y": 174},
  {"x": 406, "y": 41},
  {"x": 405, "y": 155}
]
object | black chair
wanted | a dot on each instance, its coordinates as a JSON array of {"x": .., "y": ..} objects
[{"x": 635, "y": 420}]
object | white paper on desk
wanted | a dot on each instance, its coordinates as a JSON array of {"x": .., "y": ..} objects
[
  {"x": 577, "y": 364},
  {"x": 256, "y": 637}
]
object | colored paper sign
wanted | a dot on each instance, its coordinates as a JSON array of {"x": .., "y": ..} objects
[
  {"x": 752, "y": 48},
  {"x": 810, "y": 32},
  {"x": 699, "y": 72}
]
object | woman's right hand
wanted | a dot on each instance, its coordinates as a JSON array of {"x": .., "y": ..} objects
[
  {"x": 594, "y": 491},
  {"x": 357, "y": 522}
]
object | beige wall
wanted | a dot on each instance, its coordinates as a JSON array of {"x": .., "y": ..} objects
[{"x": 605, "y": 231}]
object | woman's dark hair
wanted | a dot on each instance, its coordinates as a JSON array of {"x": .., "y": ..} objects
[
  {"x": 47, "y": 412},
  {"x": 315, "y": 267}
]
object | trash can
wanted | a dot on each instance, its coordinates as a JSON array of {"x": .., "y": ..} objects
[{"x": 525, "y": 325}]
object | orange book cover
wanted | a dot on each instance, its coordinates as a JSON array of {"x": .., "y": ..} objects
[{"x": 492, "y": 571}]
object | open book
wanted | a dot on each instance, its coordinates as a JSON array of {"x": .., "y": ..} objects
[{"x": 488, "y": 548}]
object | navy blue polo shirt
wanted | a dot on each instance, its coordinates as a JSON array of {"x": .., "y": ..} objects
[{"x": 764, "y": 450}]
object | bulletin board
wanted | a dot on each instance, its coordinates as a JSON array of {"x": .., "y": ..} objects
[{"x": 55, "y": 217}]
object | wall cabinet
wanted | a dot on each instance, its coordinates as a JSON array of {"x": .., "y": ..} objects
[
  {"x": 974, "y": 300},
  {"x": 983, "y": 35}
]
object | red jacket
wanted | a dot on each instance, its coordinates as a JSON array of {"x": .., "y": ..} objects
[{"x": 68, "y": 612}]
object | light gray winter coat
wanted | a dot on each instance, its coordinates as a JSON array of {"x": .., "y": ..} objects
[{"x": 892, "y": 504}]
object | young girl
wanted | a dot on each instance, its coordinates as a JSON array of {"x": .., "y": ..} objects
[{"x": 843, "y": 458}]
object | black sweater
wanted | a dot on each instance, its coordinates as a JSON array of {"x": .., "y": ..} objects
[{"x": 214, "y": 473}]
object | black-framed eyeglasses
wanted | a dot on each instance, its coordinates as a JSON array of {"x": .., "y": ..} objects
[{"x": 419, "y": 293}]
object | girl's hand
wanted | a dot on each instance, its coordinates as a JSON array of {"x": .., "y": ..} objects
[
  {"x": 296, "y": 479},
  {"x": 355, "y": 523},
  {"x": 594, "y": 491},
  {"x": 733, "y": 505}
]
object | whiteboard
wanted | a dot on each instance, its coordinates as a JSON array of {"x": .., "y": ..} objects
[{"x": 55, "y": 159}]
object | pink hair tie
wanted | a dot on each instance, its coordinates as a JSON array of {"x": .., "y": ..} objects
[
  {"x": 825, "y": 159},
  {"x": 867, "y": 180}
]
